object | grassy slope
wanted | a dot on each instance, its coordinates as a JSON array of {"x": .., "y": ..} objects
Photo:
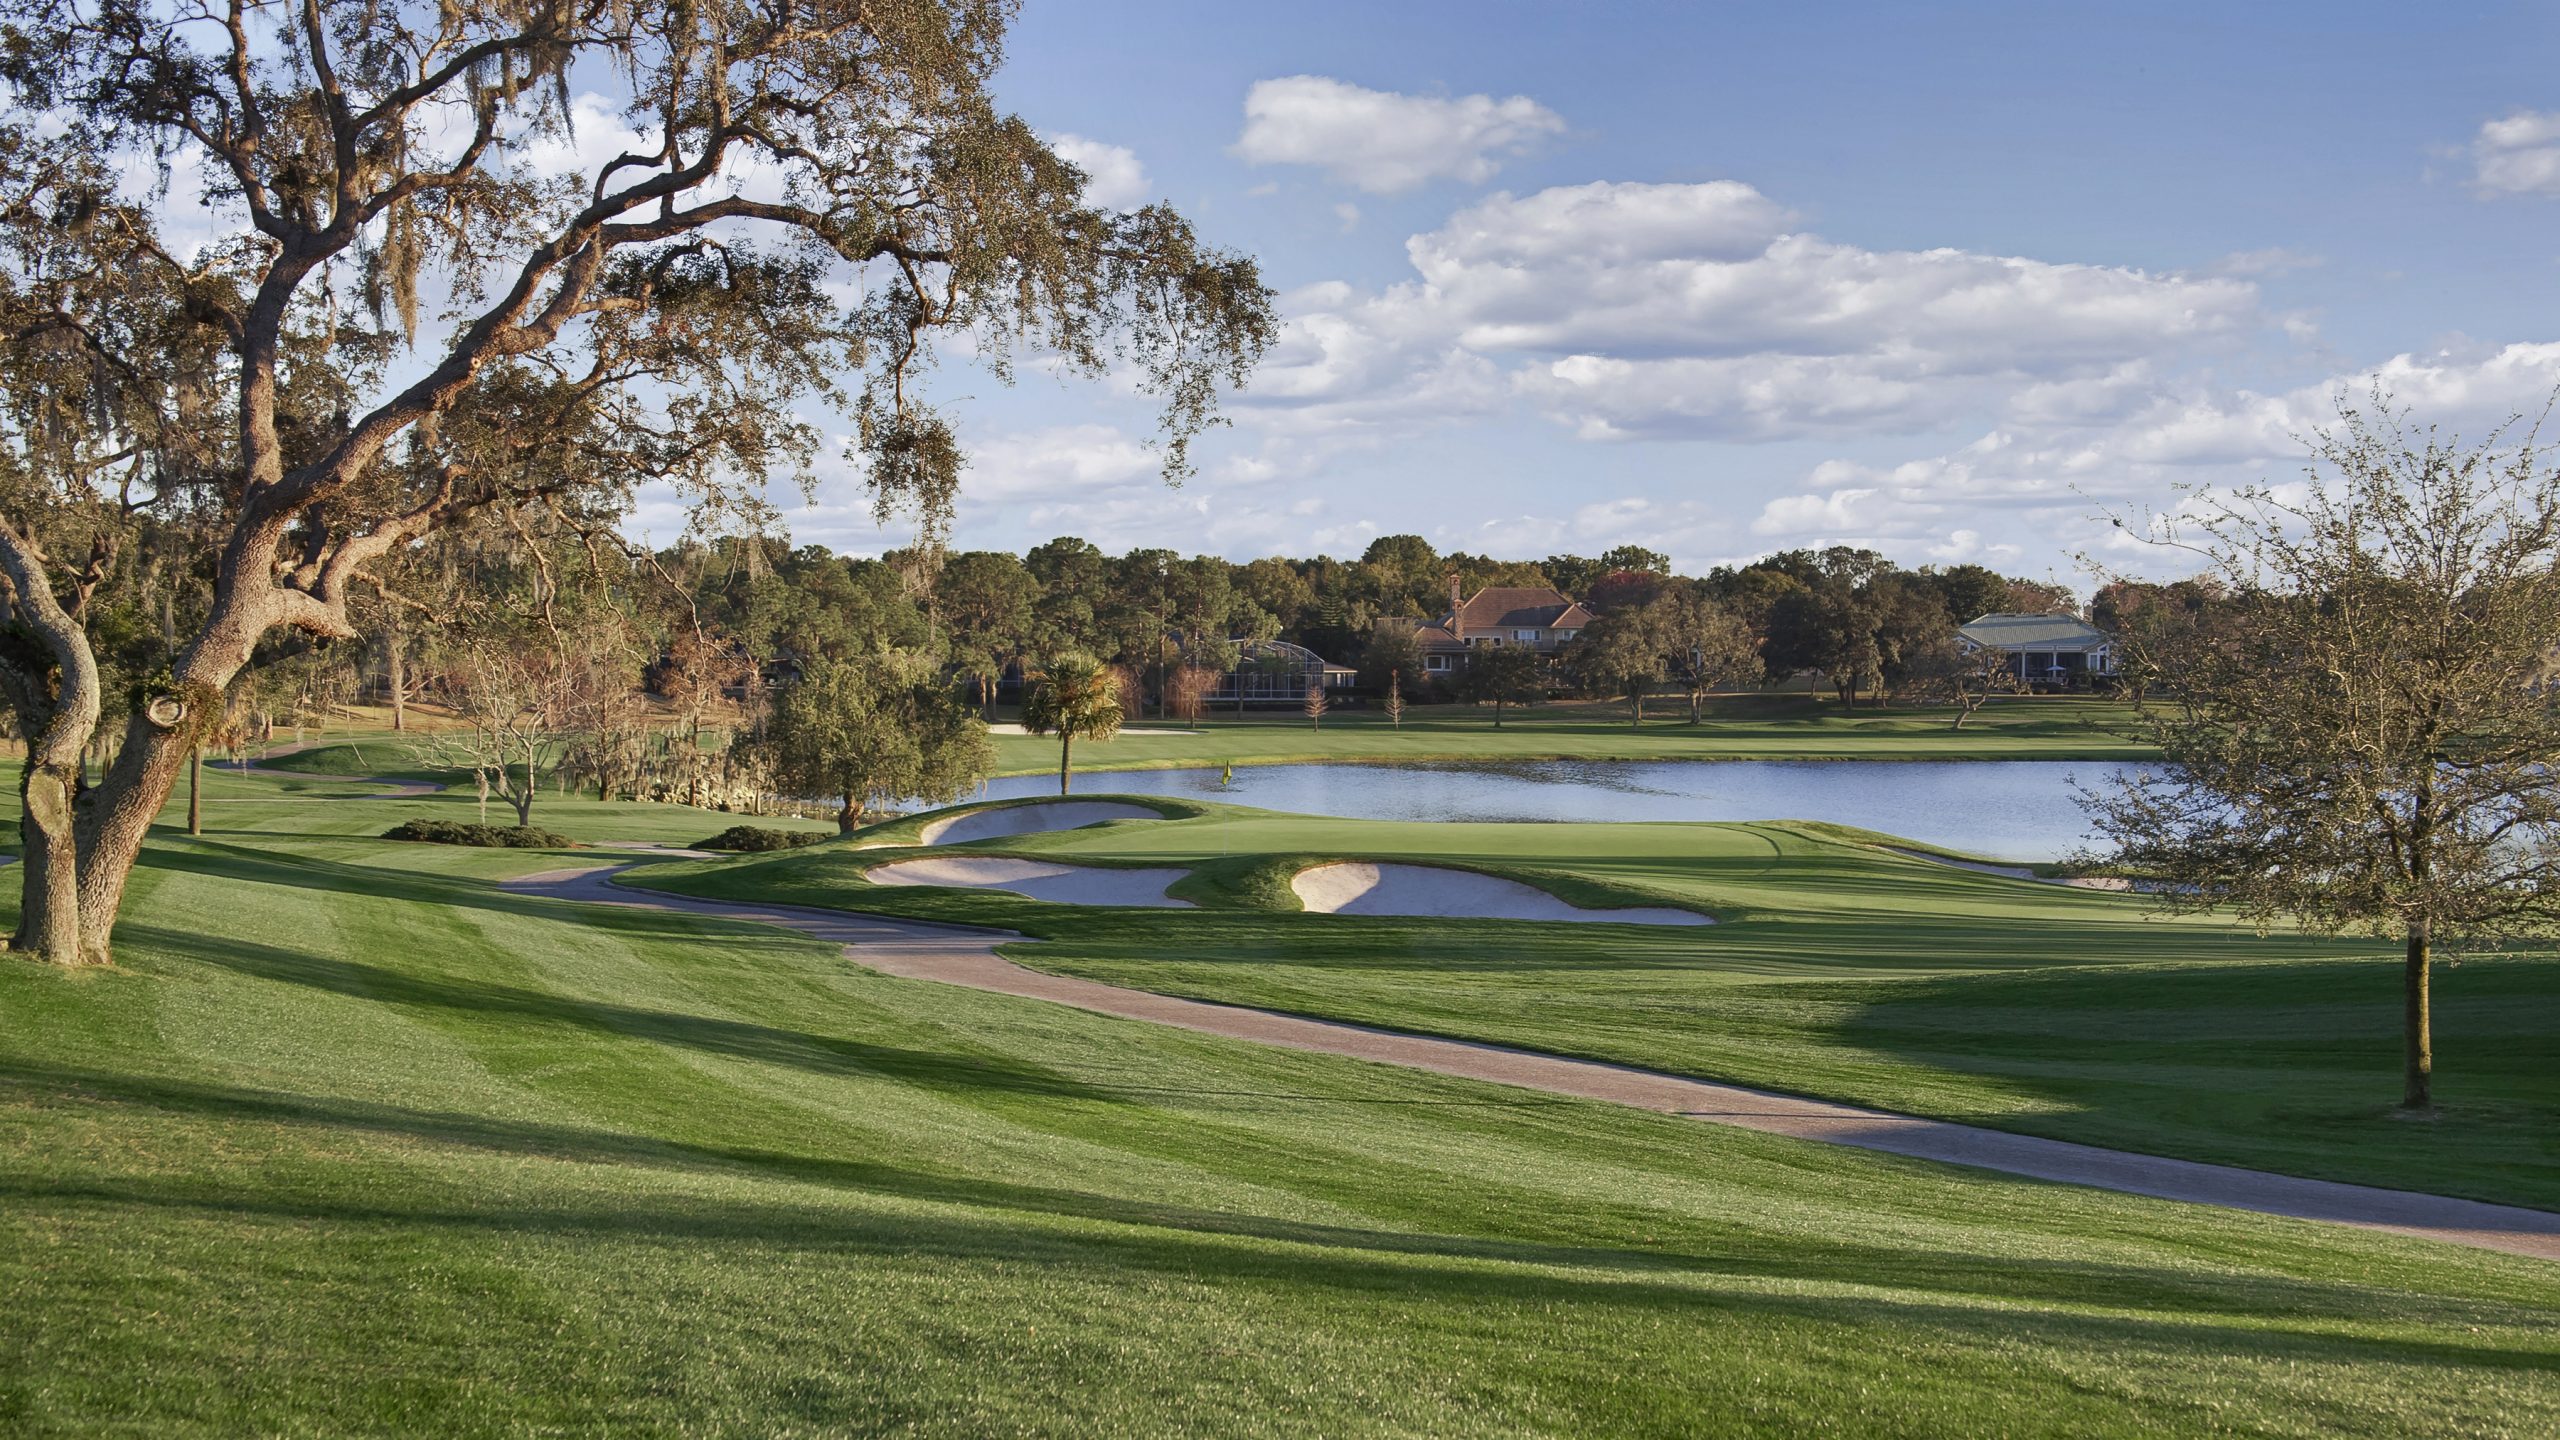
[
  {"x": 1839, "y": 970},
  {"x": 1740, "y": 728},
  {"x": 352, "y": 1143}
]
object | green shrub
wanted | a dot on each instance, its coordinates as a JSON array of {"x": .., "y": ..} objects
[
  {"x": 496, "y": 837},
  {"x": 751, "y": 838}
]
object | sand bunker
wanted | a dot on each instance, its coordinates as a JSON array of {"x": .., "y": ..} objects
[
  {"x": 1037, "y": 880},
  {"x": 1028, "y": 820},
  {"x": 1358, "y": 888}
]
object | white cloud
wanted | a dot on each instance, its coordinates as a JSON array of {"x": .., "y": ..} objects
[
  {"x": 2042, "y": 488},
  {"x": 1114, "y": 179},
  {"x": 1383, "y": 142},
  {"x": 1064, "y": 460},
  {"x": 1689, "y": 310},
  {"x": 2518, "y": 155}
]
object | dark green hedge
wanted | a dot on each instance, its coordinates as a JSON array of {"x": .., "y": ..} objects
[{"x": 499, "y": 837}]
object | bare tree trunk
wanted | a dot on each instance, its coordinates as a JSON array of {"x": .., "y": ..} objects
[
  {"x": 2419, "y": 1086},
  {"x": 1066, "y": 747},
  {"x": 849, "y": 819},
  {"x": 195, "y": 787}
]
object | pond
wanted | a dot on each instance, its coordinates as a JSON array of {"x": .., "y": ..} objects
[{"x": 2005, "y": 809}]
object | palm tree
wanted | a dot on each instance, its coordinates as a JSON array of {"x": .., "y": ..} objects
[{"x": 1077, "y": 698}]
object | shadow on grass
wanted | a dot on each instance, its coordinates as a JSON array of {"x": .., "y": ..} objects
[
  {"x": 733, "y": 1039},
  {"x": 1190, "y": 1243}
]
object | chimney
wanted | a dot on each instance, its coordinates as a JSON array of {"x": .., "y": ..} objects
[{"x": 1457, "y": 610}]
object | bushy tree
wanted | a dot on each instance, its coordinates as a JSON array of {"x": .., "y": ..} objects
[
  {"x": 1704, "y": 644},
  {"x": 1620, "y": 653},
  {"x": 872, "y": 729},
  {"x": 659, "y": 315},
  {"x": 1501, "y": 676},
  {"x": 2368, "y": 737}
]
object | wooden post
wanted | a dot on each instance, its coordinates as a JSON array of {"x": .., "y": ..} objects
[{"x": 195, "y": 780}]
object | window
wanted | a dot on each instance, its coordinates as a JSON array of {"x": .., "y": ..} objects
[
  {"x": 1524, "y": 636},
  {"x": 1435, "y": 662},
  {"x": 1567, "y": 634}
]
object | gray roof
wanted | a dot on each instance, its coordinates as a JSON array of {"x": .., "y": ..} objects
[{"x": 2035, "y": 632}]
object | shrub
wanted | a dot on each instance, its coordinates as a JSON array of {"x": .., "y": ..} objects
[
  {"x": 497, "y": 837},
  {"x": 751, "y": 838}
]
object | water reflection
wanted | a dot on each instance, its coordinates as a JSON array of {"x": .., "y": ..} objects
[{"x": 2009, "y": 809}]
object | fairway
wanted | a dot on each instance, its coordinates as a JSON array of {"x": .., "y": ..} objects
[
  {"x": 1838, "y": 969},
  {"x": 481, "y": 1162}
]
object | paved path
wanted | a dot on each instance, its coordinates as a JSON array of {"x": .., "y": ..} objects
[{"x": 956, "y": 956}]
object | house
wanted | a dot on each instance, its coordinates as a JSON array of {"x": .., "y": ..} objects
[
  {"x": 1538, "y": 617},
  {"x": 2055, "y": 651}
]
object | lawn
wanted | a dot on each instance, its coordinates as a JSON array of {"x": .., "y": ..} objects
[
  {"x": 1750, "y": 727},
  {"x": 353, "y": 1142},
  {"x": 1839, "y": 970}
]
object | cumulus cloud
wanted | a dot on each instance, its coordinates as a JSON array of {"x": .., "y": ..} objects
[
  {"x": 1383, "y": 142},
  {"x": 2042, "y": 487},
  {"x": 1113, "y": 177},
  {"x": 2518, "y": 155},
  {"x": 1701, "y": 310}
]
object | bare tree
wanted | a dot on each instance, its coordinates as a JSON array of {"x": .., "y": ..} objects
[{"x": 2368, "y": 737}]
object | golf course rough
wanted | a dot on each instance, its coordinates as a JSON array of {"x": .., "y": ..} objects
[{"x": 1360, "y": 887}]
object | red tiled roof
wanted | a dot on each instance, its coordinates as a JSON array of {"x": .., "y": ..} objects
[{"x": 1502, "y": 607}]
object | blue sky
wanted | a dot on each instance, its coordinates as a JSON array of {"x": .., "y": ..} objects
[{"x": 1724, "y": 279}]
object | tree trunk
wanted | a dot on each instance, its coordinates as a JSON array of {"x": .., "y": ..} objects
[
  {"x": 849, "y": 819},
  {"x": 66, "y": 708},
  {"x": 483, "y": 777},
  {"x": 2418, "y": 1089},
  {"x": 523, "y": 801},
  {"x": 195, "y": 785},
  {"x": 399, "y": 676},
  {"x": 1697, "y": 706},
  {"x": 1066, "y": 747},
  {"x": 1635, "y": 708}
]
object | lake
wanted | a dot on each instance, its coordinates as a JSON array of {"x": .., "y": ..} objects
[{"x": 2006, "y": 809}]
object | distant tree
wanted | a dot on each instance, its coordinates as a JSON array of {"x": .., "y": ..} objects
[
  {"x": 2366, "y": 737},
  {"x": 2040, "y": 597},
  {"x": 1704, "y": 644},
  {"x": 1972, "y": 591},
  {"x": 1395, "y": 699},
  {"x": 1187, "y": 689},
  {"x": 1912, "y": 627},
  {"x": 872, "y": 729},
  {"x": 1392, "y": 651},
  {"x": 1635, "y": 558},
  {"x": 985, "y": 600},
  {"x": 1949, "y": 674},
  {"x": 1624, "y": 590},
  {"x": 1316, "y": 702},
  {"x": 1076, "y": 697},
  {"x": 1620, "y": 653},
  {"x": 1573, "y": 574},
  {"x": 1500, "y": 675}
]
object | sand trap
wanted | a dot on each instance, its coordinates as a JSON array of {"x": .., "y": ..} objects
[
  {"x": 1358, "y": 888},
  {"x": 1037, "y": 880},
  {"x": 1028, "y": 820}
]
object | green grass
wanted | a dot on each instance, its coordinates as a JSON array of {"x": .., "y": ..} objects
[
  {"x": 352, "y": 1142},
  {"x": 1757, "y": 727},
  {"x": 1838, "y": 970}
]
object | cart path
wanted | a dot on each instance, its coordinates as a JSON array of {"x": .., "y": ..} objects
[{"x": 954, "y": 955}]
